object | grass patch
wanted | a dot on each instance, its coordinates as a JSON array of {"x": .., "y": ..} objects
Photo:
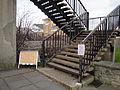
[{"x": 117, "y": 55}]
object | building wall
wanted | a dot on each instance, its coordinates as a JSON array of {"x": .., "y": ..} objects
[
  {"x": 47, "y": 27},
  {"x": 7, "y": 34},
  {"x": 108, "y": 73}
]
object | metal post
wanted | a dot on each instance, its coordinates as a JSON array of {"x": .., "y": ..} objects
[
  {"x": 74, "y": 7},
  {"x": 119, "y": 18},
  {"x": 43, "y": 54},
  {"x": 80, "y": 69},
  {"x": 70, "y": 33},
  {"x": 87, "y": 20}
]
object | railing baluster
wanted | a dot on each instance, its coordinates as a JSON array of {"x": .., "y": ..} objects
[{"x": 55, "y": 42}]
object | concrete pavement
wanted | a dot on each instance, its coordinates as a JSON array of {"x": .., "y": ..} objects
[
  {"x": 26, "y": 79},
  {"x": 29, "y": 79}
]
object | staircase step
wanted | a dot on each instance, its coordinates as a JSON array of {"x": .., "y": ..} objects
[
  {"x": 90, "y": 69},
  {"x": 68, "y": 58},
  {"x": 42, "y": 1},
  {"x": 82, "y": 35},
  {"x": 49, "y": 8},
  {"x": 63, "y": 68},
  {"x": 52, "y": 12},
  {"x": 62, "y": 4},
  {"x": 73, "y": 46},
  {"x": 86, "y": 32},
  {"x": 62, "y": 21},
  {"x": 76, "y": 22},
  {"x": 77, "y": 25},
  {"x": 59, "y": 17},
  {"x": 77, "y": 41},
  {"x": 68, "y": 12},
  {"x": 69, "y": 53},
  {"x": 65, "y": 8},
  {"x": 89, "y": 52},
  {"x": 58, "y": 1},
  {"x": 55, "y": 15},
  {"x": 98, "y": 58},
  {"x": 104, "y": 49},
  {"x": 46, "y": 5},
  {"x": 66, "y": 63},
  {"x": 71, "y": 50}
]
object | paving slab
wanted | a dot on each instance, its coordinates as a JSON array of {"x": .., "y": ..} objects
[
  {"x": 106, "y": 87},
  {"x": 44, "y": 84},
  {"x": 102, "y": 87},
  {"x": 34, "y": 77},
  {"x": 29, "y": 87},
  {"x": 55, "y": 86},
  {"x": 15, "y": 82},
  {"x": 33, "y": 80},
  {"x": 27, "y": 79},
  {"x": 14, "y": 72},
  {"x": 3, "y": 85}
]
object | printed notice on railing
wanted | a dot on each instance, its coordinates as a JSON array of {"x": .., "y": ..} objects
[{"x": 81, "y": 49}]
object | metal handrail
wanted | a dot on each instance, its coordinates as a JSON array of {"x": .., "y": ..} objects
[
  {"x": 50, "y": 42},
  {"x": 82, "y": 5},
  {"x": 109, "y": 15},
  {"x": 61, "y": 28},
  {"x": 66, "y": 25},
  {"x": 98, "y": 38},
  {"x": 85, "y": 12}
]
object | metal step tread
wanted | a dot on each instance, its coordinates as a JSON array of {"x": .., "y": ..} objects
[{"x": 62, "y": 4}]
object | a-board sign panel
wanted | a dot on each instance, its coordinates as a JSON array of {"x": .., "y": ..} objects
[{"x": 28, "y": 57}]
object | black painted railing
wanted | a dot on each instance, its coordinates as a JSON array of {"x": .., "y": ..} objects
[
  {"x": 80, "y": 11},
  {"x": 98, "y": 38},
  {"x": 54, "y": 43}
]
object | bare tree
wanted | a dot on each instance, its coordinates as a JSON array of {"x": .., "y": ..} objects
[{"x": 23, "y": 25}]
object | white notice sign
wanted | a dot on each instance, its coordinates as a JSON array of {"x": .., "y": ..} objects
[{"x": 81, "y": 49}]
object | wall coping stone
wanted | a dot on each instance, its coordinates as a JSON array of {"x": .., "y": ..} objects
[{"x": 108, "y": 64}]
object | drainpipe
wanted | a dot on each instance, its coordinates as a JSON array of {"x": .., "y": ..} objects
[
  {"x": 114, "y": 51},
  {"x": 119, "y": 18}
]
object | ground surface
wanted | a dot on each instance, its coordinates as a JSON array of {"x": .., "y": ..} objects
[
  {"x": 26, "y": 79},
  {"x": 29, "y": 79}
]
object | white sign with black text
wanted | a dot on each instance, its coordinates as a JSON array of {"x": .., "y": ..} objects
[{"x": 81, "y": 49}]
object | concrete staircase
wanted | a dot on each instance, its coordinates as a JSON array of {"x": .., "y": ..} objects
[
  {"x": 68, "y": 59},
  {"x": 61, "y": 53}
]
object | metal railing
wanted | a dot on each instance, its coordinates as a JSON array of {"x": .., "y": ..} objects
[
  {"x": 80, "y": 11},
  {"x": 54, "y": 43},
  {"x": 98, "y": 38}
]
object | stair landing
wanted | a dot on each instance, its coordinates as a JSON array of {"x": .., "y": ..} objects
[{"x": 68, "y": 81}]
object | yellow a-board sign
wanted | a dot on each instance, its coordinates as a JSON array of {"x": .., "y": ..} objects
[{"x": 28, "y": 58}]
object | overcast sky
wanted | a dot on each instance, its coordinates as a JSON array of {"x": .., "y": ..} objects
[{"x": 96, "y": 8}]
